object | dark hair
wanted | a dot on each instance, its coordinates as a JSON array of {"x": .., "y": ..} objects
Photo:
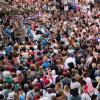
[
  {"x": 73, "y": 79},
  {"x": 23, "y": 49},
  {"x": 1, "y": 96},
  {"x": 74, "y": 92},
  {"x": 93, "y": 97},
  {"x": 95, "y": 84},
  {"x": 83, "y": 82},
  {"x": 1, "y": 88}
]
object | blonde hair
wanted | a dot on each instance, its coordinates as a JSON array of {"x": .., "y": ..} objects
[
  {"x": 58, "y": 87},
  {"x": 29, "y": 73},
  {"x": 66, "y": 89},
  {"x": 16, "y": 96}
]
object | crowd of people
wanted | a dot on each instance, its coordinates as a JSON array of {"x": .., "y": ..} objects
[{"x": 53, "y": 51}]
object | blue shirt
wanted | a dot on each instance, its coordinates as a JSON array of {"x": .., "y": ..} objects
[
  {"x": 8, "y": 49},
  {"x": 46, "y": 64},
  {"x": 44, "y": 42},
  {"x": 8, "y": 32},
  {"x": 29, "y": 32}
]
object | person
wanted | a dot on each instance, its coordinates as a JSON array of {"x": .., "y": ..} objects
[
  {"x": 94, "y": 97},
  {"x": 69, "y": 62},
  {"x": 98, "y": 95},
  {"x": 66, "y": 90},
  {"x": 52, "y": 51},
  {"x": 74, "y": 95},
  {"x": 32, "y": 94},
  {"x": 58, "y": 87},
  {"x": 66, "y": 80}
]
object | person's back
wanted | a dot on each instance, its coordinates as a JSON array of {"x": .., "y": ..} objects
[
  {"x": 69, "y": 62},
  {"x": 74, "y": 95},
  {"x": 66, "y": 81},
  {"x": 78, "y": 97},
  {"x": 85, "y": 96},
  {"x": 30, "y": 95}
]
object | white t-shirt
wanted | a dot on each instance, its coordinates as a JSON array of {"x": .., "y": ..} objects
[
  {"x": 37, "y": 37},
  {"x": 30, "y": 94},
  {"x": 10, "y": 96},
  {"x": 85, "y": 96},
  {"x": 44, "y": 98},
  {"x": 74, "y": 85},
  {"x": 49, "y": 96},
  {"x": 69, "y": 60},
  {"x": 54, "y": 78}
]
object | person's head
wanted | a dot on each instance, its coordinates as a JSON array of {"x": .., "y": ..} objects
[
  {"x": 73, "y": 79},
  {"x": 19, "y": 75},
  {"x": 32, "y": 67},
  {"x": 66, "y": 73},
  {"x": 74, "y": 92},
  {"x": 74, "y": 71},
  {"x": 61, "y": 96},
  {"x": 38, "y": 77},
  {"x": 9, "y": 86},
  {"x": 83, "y": 82},
  {"x": 94, "y": 65},
  {"x": 45, "y": 58},
  {"x": 53, "y": 72},
  {"x": 94, "y": 97},
  {"x": 66, "y": 88},
  {"x": 36, "y": 86},
  {"x": 98, "y": 66},
  {"x": 82, "y": 61},
  {"x": 58, "y": 87},
  {"x": 78, "y": 78},
  {"x": 85, "y": 74},
  {"x": 16, "y": 96},
  {"x": 1, "y": 97}
]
